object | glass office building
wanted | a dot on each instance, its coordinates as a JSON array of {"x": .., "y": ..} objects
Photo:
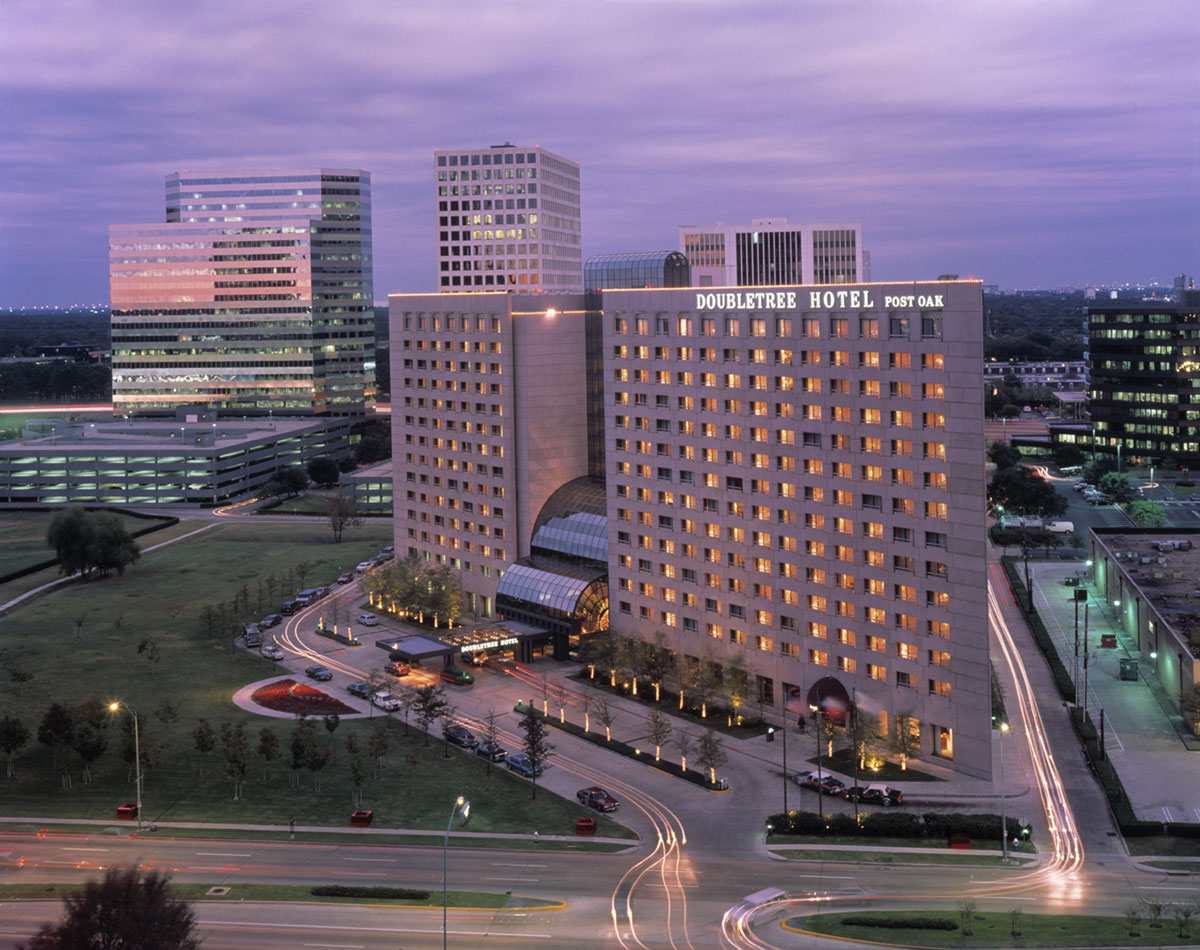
[
  {"x": 253, "y": 296},
  {"x": 634, "y": 270}
]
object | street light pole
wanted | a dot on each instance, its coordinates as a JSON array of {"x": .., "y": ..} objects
[
  {"x": 1003, "y": 802},
  {"x": 458, "y": 803},
  {"x": 137, "y": 756},
  {"x": 817, "y": 718}
]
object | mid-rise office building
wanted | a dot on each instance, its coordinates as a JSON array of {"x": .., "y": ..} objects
[
  {"x": 793, "y": 481},
  {"x": 508, "y": 218},
  {"x": 1144, "y": 378},
  {"x": 252, "y": 296},
  {"x": 772, "y": 252}
]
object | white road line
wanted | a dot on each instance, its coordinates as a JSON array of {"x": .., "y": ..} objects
[
  {"x": 378, "y": 860},
  {"x": 1162, "y": 887},
  {"x": 1196, "y": 812},
  {"x": 339, "y": 946},
  {"x": 828, "y": 877},
  {"x": 523, "y": 880},
  {"x": 1167, "y": 816},
  {"x": 223, "y": 854},
  {"x": 1007, "y": 897},
  {"x": 84, "y": 849},
  {"x": 501, "y": 864}
]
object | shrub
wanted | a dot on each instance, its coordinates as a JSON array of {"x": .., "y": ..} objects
[
  {"x": 899, "y": 923},
  {"x": 364, "y": 890}
]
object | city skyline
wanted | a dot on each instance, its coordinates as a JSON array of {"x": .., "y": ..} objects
[{"x": 1024, "y": 145}]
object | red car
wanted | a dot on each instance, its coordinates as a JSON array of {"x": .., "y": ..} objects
[
  {"x": 397, "y": 669},
  {"x": 345, "y": 578},
  {"x": 597, "y": 798}
]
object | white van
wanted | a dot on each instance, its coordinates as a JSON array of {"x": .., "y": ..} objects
[{"x": 1061, "y": 527}]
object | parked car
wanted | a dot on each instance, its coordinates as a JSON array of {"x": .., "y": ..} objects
[
  {"x": 824, "y": 782},
  {"x": 388, "y": 551},
  {"x": 490, "y": 750},
  {"x": 270, "y": 620},
  {"x": 519, "y": 762},
  {"x": 362, "y": 566},
  {"x": 345, "y": 578},
  {"x": 290, "y": 606},
  {"x": 250, "y": 628},
  {"x": 452, "y": 674},
  {"x": 883, "y": 795},
  {"x": 459, "y": 735},
  {"x": 397, "y": 669},
  {"x": 272, "y": 652},
  {"x": 253, "y": 638},
  {"x": 320, "y": 673},
  {"x": 386, "y": 701},
  {"x": 367, "y": 620},
  {"x": 597, "y": 798},
  {"x": 361, "y": 690}
]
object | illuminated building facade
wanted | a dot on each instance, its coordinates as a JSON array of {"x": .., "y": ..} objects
[
  {"x": 508, "y": 219},
  {"x": 1144, "y": 378},
  {"x": 794, "y": 478},
  {"x": 773, "y": 251},
  {"x": 253, "y": 296}
]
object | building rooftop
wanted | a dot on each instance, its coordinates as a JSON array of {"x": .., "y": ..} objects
[
  {"x": 1165, "y": 565},
  {"x": 154, "y": 434}
]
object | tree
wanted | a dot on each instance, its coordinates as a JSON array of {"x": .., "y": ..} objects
[
  {"x": 1003, "y": 455},
  {"x": 606, "y": 714},
  {"x": 55, "y": 730},
  {"x": 86, "y": 541},
  {"x": 204, "y": 739},
  {"x": 342, "y": 511},
  {"x": 357, "y": 776},
  {"x": 1118, "y": 487},
  {"x": 866, "y": 737},
  {"x": 89, "y": 744},
  {"x": 905, "y": 740},
  {"x": 1098, "y": 467},
  {"x": 19, "y": 676},
  {"x": 1019, "y": 489},
  {"x": 658, "y": 731},
  {"x": 683, "y": 742},
  {"x": 293, "y": 480},
  {"x": 318, "y": 758},
  {"x": 491, "y": 733},
  {"x": 377, "y": 746},
  {"x": 1133, "y": 916},
  {"x": 430, "y": 705},
  {"x": 535, "y": 745},
  {"x": 300, "y": 744},
  {"x": 735, "y": 685},
  {"x": 111, "y": 548},
  {"x": 70, "y": 533},
  {"x": 13, "y": 738},
  {"x": 966, "y": 911},
  {"x": 268, "y": 747},
  {"x": 235, "y": 755},
  {"x": 323, "y": 471},
  {"x": 711, "y": 754},
  {"x": 1147, "y": 514},
  {"x": 128, "y": 909}
]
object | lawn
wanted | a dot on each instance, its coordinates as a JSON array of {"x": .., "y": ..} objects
[
  {"x": 996, "y": 930},
  {"x": 300, "y": 505},
  {"x": 183, "y": 672}
]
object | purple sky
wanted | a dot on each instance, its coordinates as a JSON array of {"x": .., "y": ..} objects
[{"x": 1025, "y": 142}]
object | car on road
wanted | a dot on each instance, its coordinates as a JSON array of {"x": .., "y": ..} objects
[
  {"x": 290, "y": 606},
  {"x": 321, "y": 673},
  {"x": 519, "y": 762},
  {"x": 490, "y": 750},
  {"x": 272, "y": 652},
  {"x": 823, "y": 782},
  {"x": 1193, "y": 497},
  {"x": 345, "y": 578},
  {"x": 386, "y": 701},
  {"x": 883, "y": 795},
  {"x": 459, "y": 735},
  {"x": 397, "y": 669},
  {"x": 596, "y": 797},
  {"x": 367, "y": 620},
  {"x": 452, "y": 674},
  {"x": 270, "y": 620},
  {"x": 362, "y": 566},
  {"x": 361, "y": 690},
  {"x": 253, "y": 638}
]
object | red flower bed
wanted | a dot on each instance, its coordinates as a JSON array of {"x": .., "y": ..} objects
[{"x": 298, "y": 698}]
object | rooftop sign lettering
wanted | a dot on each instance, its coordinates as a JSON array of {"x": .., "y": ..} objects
[{"x": 817, "y": 300}]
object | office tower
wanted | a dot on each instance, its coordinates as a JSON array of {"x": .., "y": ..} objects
[
  {"x": 1143, "y": 377},
  {"x": 772, "y": 251},
  {"x": 793, "y": 484},
  {"x": 508, "y": 219},
  {"x": 253, "y": 296}
]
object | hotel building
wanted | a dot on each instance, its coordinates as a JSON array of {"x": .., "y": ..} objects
[
  {"x": 790, "y": 481},
  {"x": 253, "y": 296},
  {"x": 773, "y": 251},
  {"x": 508, "y": 219}
]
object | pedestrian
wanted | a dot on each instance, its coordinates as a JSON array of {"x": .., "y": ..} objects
[{"x": 535, "y": 837}]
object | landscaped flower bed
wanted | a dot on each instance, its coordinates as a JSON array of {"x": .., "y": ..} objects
[{"x": 288, "y": 696}]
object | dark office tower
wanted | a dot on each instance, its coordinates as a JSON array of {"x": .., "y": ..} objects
[
  {"x": 253, "y": 297},
  {"x": 507, "y": 219}
]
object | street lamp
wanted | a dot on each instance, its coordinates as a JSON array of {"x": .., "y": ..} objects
[
  {"x": 771, "y": 738},
  {"x": 464, "y": 806},
  {"x": 816, "y": 711},
  {"x": 1003, "y": 803},
  {"x": 137, "y": 755}
]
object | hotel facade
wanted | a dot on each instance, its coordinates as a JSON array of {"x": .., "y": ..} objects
[
  {"x": 790, "y": 481},
  {"x": 252, "y": 297}
]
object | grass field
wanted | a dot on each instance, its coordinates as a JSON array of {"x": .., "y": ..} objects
[
  {"x": 162, "y": 599},
  {"x": 996, "y": 930},
  {"x": 300, "y": 505},
  {"x": 23, "y": 537}
]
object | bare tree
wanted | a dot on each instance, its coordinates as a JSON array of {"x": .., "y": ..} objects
[
  {"x": 377, "y": 746},
  {"x": 966, "y": 910},
  {"x": 658, "y": 731},
  {"x": 268, "y": 747},
  {"x": 1133, "y": 915},
  {"x": 606, "y": 714},
  {"x": 683, "y": 742},
  {"x": 342, "y": 511}
]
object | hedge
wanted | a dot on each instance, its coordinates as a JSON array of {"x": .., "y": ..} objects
[
  {"x": 893, "y": 824},
  {"x": 1062, "y": 679},
  {"x": 364, "y": 890},
  {"x": 899, "y": 923}
]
